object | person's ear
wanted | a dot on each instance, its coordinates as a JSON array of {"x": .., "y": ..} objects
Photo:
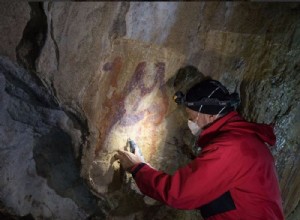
[
  {"x": 207, "y": 119},
  {"x": 212, "y": 117}
]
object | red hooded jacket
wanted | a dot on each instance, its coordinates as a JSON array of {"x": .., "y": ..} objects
[{"x": 234, "y": 177}]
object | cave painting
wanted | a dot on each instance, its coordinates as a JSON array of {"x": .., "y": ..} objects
[
  {"x": 133, "y": 102},
  {"x": 129, "y": 97}
]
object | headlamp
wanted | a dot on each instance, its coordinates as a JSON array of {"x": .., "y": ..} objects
[{"x": 179, "y": 98}]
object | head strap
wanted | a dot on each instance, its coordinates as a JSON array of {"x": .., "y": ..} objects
[{"x": 233, "y": 100}]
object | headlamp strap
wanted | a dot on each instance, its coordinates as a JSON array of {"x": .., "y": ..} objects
[{"x": 234, "y": 100}]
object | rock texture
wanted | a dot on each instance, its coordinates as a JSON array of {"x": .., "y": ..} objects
[
  {"x": 39, "y": 162},
  {"x": 108, "y": 71},
  {"x": 13, "y": 14}
]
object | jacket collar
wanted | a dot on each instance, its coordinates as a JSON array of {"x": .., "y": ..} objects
[{"x": 211, "y": 131}]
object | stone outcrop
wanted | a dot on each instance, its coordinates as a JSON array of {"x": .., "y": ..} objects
[
  {"x": 13, "y": 14},
  {"x": 40, "y": 146},
  {"x": 105, "y": 71}
]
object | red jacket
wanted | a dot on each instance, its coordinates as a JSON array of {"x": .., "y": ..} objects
[{"x": 234, "y": 177}]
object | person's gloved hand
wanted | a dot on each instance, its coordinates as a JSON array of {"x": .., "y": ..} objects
[{"x": 129, "y": 160}]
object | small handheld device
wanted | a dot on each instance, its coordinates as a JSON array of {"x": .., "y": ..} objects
[{"x": 134, "y": 147}]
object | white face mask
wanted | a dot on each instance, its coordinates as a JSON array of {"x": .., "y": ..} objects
[{"x": 194, "y": 127}]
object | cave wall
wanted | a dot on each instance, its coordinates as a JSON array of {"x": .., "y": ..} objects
[{"x": 110, "y": 69}]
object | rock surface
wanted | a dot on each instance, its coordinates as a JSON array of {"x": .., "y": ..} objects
[
  {"x": 39, "y": 168},
  {"x": 110, "y": 69},
  {"x": 13, "y": 14}
]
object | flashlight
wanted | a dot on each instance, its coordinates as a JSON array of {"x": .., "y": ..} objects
[{"x": 133, "y": 147}]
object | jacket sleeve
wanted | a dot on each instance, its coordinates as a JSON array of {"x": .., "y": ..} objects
[{"x": 201, "y": 181}]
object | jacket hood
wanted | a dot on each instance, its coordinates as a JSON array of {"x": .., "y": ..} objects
[{"x": 233, "y": 122}]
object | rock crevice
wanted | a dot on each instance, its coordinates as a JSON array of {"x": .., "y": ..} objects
[{"x": 34, "y": 37}]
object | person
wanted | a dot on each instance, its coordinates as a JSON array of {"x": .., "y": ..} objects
[{"x": 233, "y": 177}]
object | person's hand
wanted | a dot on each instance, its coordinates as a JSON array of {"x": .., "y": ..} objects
[{"x": 129, "y": 160}]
